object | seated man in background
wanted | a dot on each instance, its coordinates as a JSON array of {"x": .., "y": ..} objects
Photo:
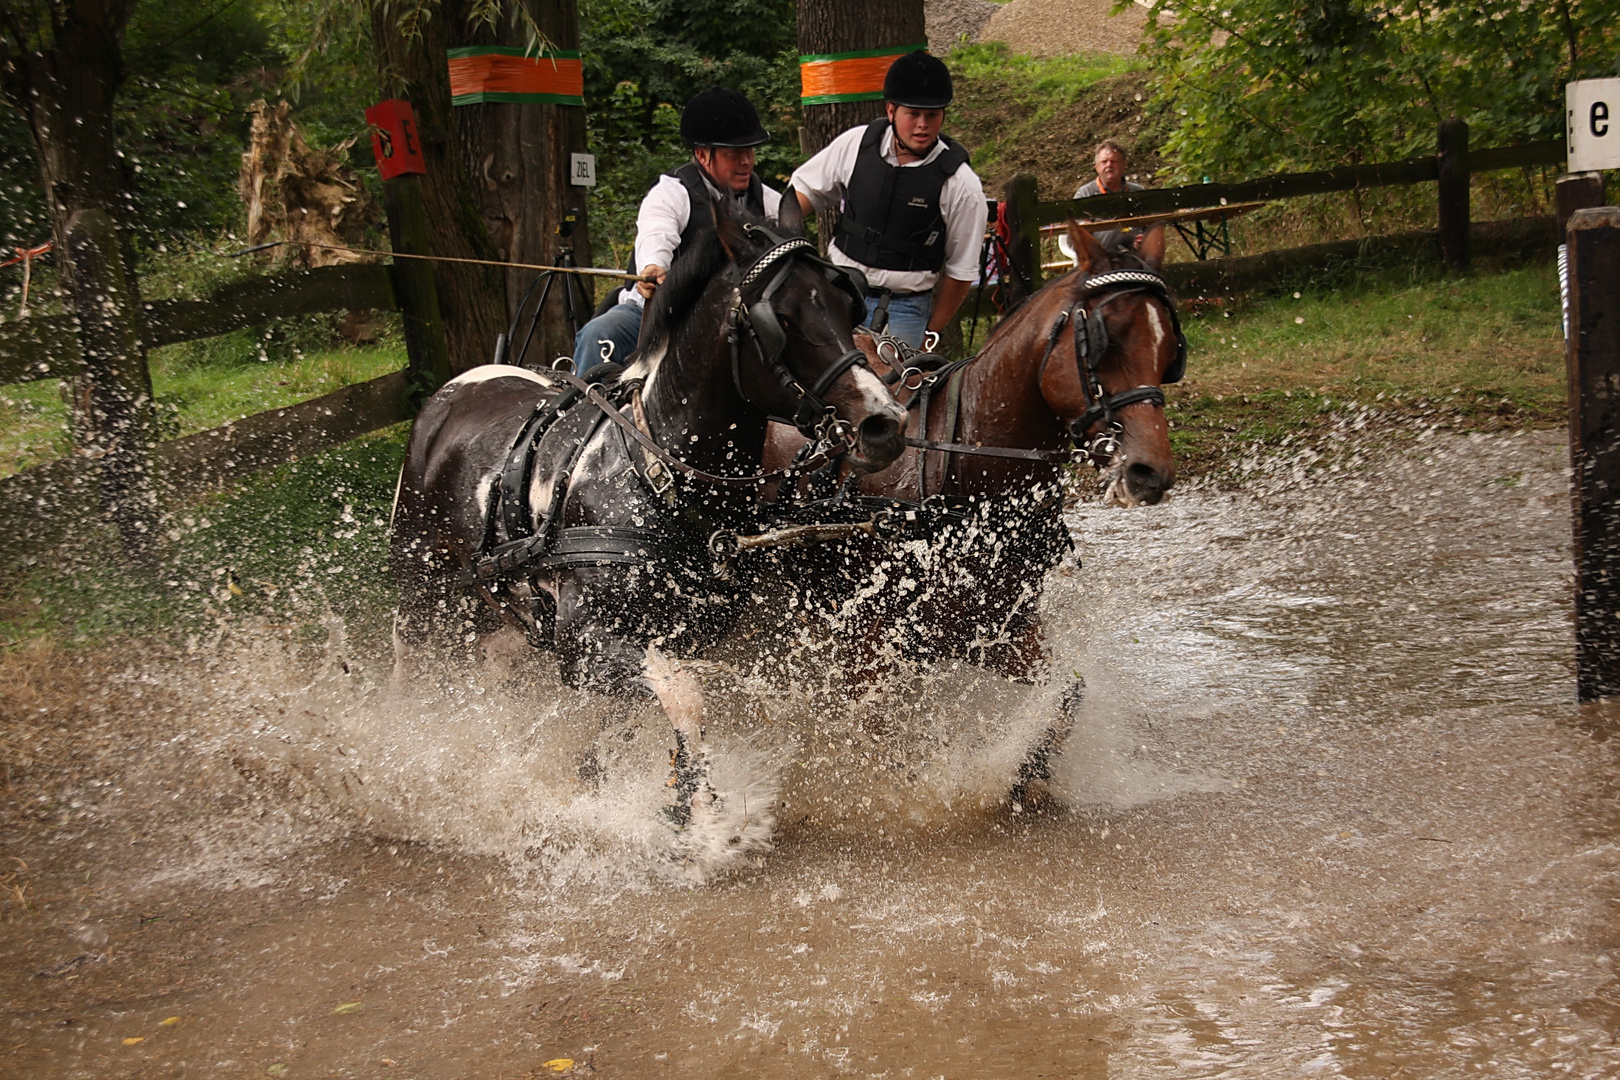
[
  {"x": 1111, "y": 165},
  {"x": 722, "y": 128}
]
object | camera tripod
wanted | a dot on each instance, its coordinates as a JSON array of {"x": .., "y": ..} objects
[{"x": 576, "y": 302}]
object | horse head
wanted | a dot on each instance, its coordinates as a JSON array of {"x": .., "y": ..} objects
[
  {"x": 1116, "y": 342},
  {"x": 803, "y": 311},
  {"x": 782, "y": 319}
]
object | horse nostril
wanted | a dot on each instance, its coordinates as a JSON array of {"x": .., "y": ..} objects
[
  {"x": 1146, "y": 482},
  {"x": 879, "y": 430}
]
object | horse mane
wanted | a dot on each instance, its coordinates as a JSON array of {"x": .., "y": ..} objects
[{"x": 694, "y": 269}]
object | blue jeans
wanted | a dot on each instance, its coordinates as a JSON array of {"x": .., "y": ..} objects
[
  {"x": 908, "y": 316},
  {"x": 621, "y": 326}
]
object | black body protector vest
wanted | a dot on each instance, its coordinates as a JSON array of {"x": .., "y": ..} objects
[
  {"x": 701, "y": 192},
  {"x": 892, "y": 219}
]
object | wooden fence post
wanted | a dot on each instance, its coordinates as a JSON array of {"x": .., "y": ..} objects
[
  {"x": 1022, "y": 196},
  {"x": 119, "y": 407},
  {"x": 1576, "y": 191},
  {"x": 1454, "y": 182},
  {"x": 1593, "y": 353}
]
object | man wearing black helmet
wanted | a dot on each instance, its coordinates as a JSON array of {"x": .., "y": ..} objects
[
  {"x": 912, "y": 209},
  {"x": 722, "y": 128}
]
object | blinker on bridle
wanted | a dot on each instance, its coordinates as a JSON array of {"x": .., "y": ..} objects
[
  {"x": 1090, "y": 345},
  {"x": 813, "y": 417}
]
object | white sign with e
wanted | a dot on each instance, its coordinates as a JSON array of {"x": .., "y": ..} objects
[{"x": 1592, "y": 115}]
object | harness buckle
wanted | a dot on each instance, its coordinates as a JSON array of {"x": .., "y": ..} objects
[{"x": 659, "y": 478}]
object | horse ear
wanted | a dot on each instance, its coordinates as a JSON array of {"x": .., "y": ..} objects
[
  {"x": 729, "y": 230},
  {"x": 1088, "y": 254},
  {"x": 1152, "y": 249},
  {"x": 790, "y": 217}
]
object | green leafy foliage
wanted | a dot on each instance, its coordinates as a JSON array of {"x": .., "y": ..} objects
[
  {"x": 191, "y": 70},
  {"x": 1267, "y": 85},
  {"x": 645, "y": 58}
]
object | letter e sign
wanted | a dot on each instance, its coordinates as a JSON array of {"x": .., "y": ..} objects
[
  {"x": 1592, "y": 124},
  {"x": 394, "y": 138}
]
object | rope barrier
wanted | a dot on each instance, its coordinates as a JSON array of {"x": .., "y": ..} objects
[{"x": 589, "y": 271}]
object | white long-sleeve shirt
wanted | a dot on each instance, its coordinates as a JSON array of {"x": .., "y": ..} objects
[
  {"x": 823, "y": 178},
  {"x": 665, "y": 211}
]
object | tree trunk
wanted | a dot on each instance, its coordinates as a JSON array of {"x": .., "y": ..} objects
[
  {"x": 518, "y": 155},
  {"x": 413, "y": 65},
  {"x": 118, "y": 386},
  {"x": 66, "y": 92},
  {"x": 839, "y": 26}
]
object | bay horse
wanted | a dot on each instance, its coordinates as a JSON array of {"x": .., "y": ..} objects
[
  {"x": 1081, "y": 364},
  {"x": 580, "y": 513}
]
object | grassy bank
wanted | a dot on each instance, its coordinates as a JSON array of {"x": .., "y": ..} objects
[
  {"x": 1484, "y": 352},
  {"x": 199, "y": 388},
  {"x": 293, "y": 545}
]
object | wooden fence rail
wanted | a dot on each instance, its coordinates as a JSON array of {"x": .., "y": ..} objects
[
  {"x": 1450, "y": 168},
  {"x": 48, "y": 347},
  {"x": 1294, "y": 185},
  {"x": 41, "y": 506}
]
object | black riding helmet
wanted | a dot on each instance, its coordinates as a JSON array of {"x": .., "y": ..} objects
[
  {"x": 721, "y": 117},
  {"x": 918, "y": 81}
]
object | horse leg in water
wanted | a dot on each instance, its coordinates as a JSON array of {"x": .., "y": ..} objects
[
  {"x": 435, "y": 607},
  {"x": 682, "y": 698},
  {"x": 1017, "y": 651},
  {"x": 1032, "y": 785},
  {"x": 596, "y": 654}
]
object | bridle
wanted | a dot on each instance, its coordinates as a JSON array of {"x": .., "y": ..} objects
[
  {"x": 1085, "y": 317},
  {"x": 813, "y": 417}
]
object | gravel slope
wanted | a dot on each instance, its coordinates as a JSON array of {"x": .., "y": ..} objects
[{"x": 1061, "y": 27}]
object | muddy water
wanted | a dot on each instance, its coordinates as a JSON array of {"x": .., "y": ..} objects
[{"x": 1329, "y": 809}]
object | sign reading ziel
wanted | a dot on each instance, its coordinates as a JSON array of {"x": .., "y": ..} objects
[
  {"x": 583, "y": 169},
  {"x": 1592, "y": 124}
]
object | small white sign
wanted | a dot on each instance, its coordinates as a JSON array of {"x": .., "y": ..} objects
[
  {"x": 1592, "y": 115},
  {"x": 582, "y": 168}
]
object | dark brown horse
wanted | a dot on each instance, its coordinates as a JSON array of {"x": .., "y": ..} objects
[
  {"x": 1079, "y": 365},
  {"x": 582, "y": 517}
]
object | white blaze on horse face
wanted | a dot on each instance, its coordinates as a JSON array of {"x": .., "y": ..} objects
[
  {"x": 678, "y": 692},
  {"x": 1160, "y": 330},
  {"x": 875, "y": 397}
]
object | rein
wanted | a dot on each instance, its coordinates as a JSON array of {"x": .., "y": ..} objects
[{"x": 592, "y": 392}]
